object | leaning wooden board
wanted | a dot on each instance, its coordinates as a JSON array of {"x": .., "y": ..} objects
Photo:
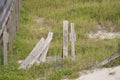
[{"x": 36, "y": 52}]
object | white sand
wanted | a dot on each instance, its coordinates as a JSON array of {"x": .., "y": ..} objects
[
  {"x": 102, "y": 74},
  {"x": 104, "y": 35}
]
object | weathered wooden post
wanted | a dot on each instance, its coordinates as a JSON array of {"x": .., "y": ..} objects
[
  {"x": 72, "y": 39},
  {"x": 65, "y": 39},
  {"x": 1, "y": 50},
  {"x": 17, "y": 4},
  {"x": 10, "y": 31},
  {"x": 5, "y": 41},
  {"x": 12, "y": 27}
]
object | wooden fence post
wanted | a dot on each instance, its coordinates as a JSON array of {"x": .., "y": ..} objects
[
  {"x": 1, "y": 50},
  {"x": 72, "y": 39},
  {"x": 12, "y": 28},
  {"x": 5, "y": 41},
  {"x": 65, "y": 39},
  {"x": 17, "y": 13}
]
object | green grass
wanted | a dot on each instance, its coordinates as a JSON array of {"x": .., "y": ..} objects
[{"x": 85, "y": 14}]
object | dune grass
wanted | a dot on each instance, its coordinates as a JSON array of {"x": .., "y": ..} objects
[{"x": 38, "y": 17}]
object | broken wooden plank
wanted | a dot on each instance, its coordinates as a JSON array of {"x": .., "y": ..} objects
[
  {"x": 34, "y": 55},
  {"x": 115, "y": 56},
  {"x": 31, "y": 55},
  {"x": 44, "y": 54},
  {"x": 42, "y": 48},
  {"x": 65, "y": 39},
  {"x": 72, "y": 39}
]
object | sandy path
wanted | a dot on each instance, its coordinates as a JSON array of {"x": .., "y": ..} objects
[{"x": 102, "y": 74}]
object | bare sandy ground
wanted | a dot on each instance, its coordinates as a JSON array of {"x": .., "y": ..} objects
[
  {"x": 102, "y": 74},
  {"x": 104, "y": 35}
]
